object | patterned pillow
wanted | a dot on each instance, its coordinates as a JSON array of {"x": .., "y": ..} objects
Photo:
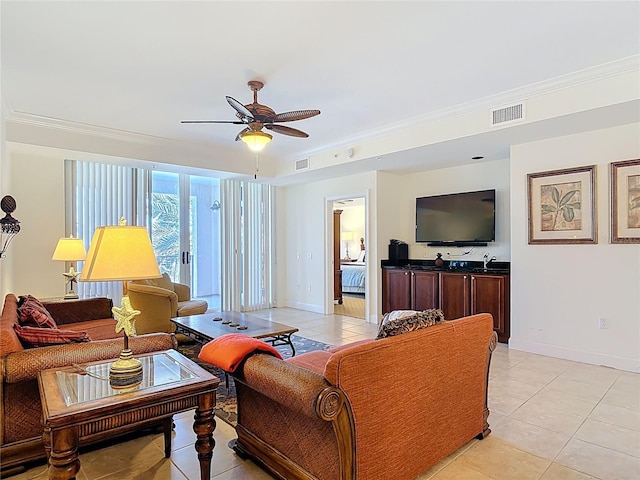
[
  {"x": 32, "y": 313},
  {"x": 41, "y": 337},
  {"x": 402, "y": 321}
]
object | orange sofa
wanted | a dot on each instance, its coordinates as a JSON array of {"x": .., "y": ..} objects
[
  {"x": 20, "y": 408},
  {"x": 375, "y": 409}
]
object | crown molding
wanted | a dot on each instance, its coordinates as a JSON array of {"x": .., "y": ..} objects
[{"x": 562, "y": 82}]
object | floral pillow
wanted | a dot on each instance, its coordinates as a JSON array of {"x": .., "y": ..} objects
[
  {"x": 31, "y": 312},
  {"x": 402, "y": 321}
]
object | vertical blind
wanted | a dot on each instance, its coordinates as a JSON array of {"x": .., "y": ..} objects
[
  {"x": 247, "y": 245},
  {"x": 99, "y": 195}
]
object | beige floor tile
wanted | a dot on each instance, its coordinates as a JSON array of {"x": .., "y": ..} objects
[
  {"x": 623, "y": 395},
  {"x": 560, "y": 472},
  {"x": 246, "y": 470},
  {"x": 133, "y": 457},
  {"x": 531, "y": 438},
  {"x": 623, "y": 417},
  {"x": 163, "y": 469},
  {"x": 457, "y": 471},
  {"x": 550, "y": 419},
  {"x": 588, "y": 391},
  {"x": 563, "y": 402},
  {"x": 500, "y": 460},
  {"x": 186, "y": 459},
  {"x": 539, "y": 363},
  {"x": 614, "y": 437},
  {"x": 593, "y": 374},
  {"x": 503, "y": 405},
  {"x": 529, "y": 377},
  {"x": 598, "y": 461}
]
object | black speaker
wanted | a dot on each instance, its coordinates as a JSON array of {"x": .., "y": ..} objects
[{"x": 398, "y": 251}]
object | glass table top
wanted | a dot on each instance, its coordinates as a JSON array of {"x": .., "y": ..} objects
[{"x": 92, "y": 383}]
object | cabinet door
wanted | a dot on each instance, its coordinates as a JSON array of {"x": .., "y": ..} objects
[
  {"x": 454, "y": 295},
  {"x": 490, "y": 294},
  {"x": 424, "y": 290},
  {"x": 396, "y": 290}
]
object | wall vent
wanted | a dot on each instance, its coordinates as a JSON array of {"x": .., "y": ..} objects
[
  {"x": 302, "y": 164},
  {"x": 508, "y": 114}
]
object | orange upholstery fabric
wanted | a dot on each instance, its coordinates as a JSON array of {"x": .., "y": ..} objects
[
  {"x": 20, "y": 408},
  {"x": 228, "y": 351},
  {"x": 423, "y": 392}
]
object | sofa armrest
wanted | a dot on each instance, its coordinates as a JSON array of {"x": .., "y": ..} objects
[
  {"x": 80, "y": 310},
  {"x": 139, "y": 294},
  {"x": 289, "y": 385},
  {"x": 25, "y": 364},
  {"x": 182, "y": 291}
]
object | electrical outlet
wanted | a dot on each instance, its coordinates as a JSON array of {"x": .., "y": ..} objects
[
  {"x": 603, "y": 323},
  {"x": 309, "y": 287},
  {"x": 309, "y": 256}
]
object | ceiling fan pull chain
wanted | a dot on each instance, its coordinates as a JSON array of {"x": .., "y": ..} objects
[{"x": 255, "y": 175}]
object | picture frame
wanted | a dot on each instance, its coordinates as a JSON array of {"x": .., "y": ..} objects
[
  {"x": 625, "y": 201},
  {"x": 562, "y": 206}
]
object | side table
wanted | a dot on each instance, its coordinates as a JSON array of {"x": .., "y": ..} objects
[{"x": 79, "y": 403}]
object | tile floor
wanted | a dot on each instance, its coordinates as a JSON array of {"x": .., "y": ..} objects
[{"x": 551, "y": 419}]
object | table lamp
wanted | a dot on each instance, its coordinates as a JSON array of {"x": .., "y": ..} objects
[
  {"x": 122, "y": 253},
  {"x": 347, "y": 237},
  {"x": 70, "y": 250}
]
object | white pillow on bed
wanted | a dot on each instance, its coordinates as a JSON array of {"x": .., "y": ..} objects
[{"x": 361, "y": 256}]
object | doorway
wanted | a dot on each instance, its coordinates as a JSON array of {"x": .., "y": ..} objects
[
  {"x": 352, "y": 261},
  {"x": 185, "y": 231}
]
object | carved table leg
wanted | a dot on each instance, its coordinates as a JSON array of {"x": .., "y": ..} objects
[
  {"x": 167, "y": 425},
  {"x": 204, "y": 424},
  {"x": 63, "y": 461}
]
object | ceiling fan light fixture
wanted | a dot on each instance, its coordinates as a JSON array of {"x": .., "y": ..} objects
[{"x": 255, "y": 140}]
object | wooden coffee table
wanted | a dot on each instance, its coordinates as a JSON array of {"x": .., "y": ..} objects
[
  {"x": 78, "y": 405},
  {"x": 207, "y": 326}
]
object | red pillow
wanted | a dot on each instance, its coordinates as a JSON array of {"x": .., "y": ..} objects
[
  {"x": 32, "y": 313},
  {"x": 228, "y": 351},
  {"x": 41, "y": 337}
]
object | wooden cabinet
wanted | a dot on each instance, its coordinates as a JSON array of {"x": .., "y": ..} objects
[
  {"x": 490, "y": 294},
  {"x": 404, "y": 289},
  {"x": 337, "y": 273},
  {"x": 458, "y": 294}
]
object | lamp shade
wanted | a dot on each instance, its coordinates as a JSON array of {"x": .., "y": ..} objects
[
  {"x": 347, "y": 236},
  {"x": 69, "y": 250},
  {"x": 255, "y": 140},
  {"x": 120, "y": 253}
]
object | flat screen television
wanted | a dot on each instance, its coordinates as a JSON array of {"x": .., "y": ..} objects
[{"x": 457, "y": 219}]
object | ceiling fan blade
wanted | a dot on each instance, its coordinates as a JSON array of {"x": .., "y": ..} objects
[
  {"x": 286, "y": 130},
  {"x": 240, "y": 108},
  {"x": 240, "y": 134},
  {"x": 295, "y": 115},
  {"x": 235, "y": 122}
]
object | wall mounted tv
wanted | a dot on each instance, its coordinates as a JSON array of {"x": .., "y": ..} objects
[{"x": 458, "y": 219}]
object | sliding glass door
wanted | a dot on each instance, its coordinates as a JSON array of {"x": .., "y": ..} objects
[{"x": 185, "y": 231}]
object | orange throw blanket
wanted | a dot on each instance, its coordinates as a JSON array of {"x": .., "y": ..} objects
[{"x": 229, "y": 351}]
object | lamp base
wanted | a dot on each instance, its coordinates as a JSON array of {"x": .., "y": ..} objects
[
  {"x": 71, "y": 296},
  {"x": 125, "y": 372}
]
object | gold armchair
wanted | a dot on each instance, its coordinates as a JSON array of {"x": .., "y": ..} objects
[{"x": 159, "y": 300}]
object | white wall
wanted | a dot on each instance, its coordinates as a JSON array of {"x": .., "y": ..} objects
[
  {"x": 305, "y": 228},
  {"x": 558, "y": 292}
]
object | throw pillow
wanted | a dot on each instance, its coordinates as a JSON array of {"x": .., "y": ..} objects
[
  {"x": 31, "y": 337},
  {"x": 228, "y": 351},
  {"x": 32, "y": 313},
  {"x": 402, "y": 321}
]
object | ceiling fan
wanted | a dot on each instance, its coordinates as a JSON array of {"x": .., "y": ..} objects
[{"x": 256, "y": 116}]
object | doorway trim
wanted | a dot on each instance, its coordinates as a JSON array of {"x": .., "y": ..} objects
[{"x": 328, "y": 287}]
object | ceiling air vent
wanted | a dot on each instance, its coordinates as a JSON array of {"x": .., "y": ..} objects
[
  {"x": 508, "y": 114},
  {"x": 302, "y": 164}
]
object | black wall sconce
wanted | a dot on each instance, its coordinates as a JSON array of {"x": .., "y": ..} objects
[{"x": 10, "y": 226}]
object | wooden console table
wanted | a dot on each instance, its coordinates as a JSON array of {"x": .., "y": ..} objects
[{"x": 79, "y": 403}]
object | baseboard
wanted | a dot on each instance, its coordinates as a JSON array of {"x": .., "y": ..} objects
[
  {"x": 594, "y": 358},
  {"x": 306, "y": 306}
]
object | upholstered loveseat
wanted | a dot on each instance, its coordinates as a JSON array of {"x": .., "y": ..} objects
[
  {"x": 20, "y": 408},
  {"x": 376, "y": 409}
]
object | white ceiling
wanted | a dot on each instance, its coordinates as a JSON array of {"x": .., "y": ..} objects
[{"x": 143, "y": 66}]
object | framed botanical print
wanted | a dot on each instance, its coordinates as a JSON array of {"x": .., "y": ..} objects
[
  {"x": 562, "y": 206},
  {"x": 625, "y": 201}
]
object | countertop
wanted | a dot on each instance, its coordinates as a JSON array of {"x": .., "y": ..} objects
[{"x": 457, "y": 266}]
